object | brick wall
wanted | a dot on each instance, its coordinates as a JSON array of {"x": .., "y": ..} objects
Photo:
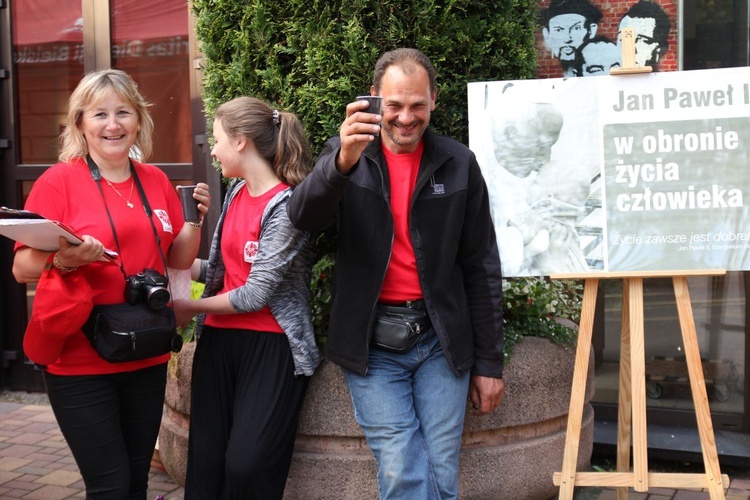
[{"x": 612, "y": 11}]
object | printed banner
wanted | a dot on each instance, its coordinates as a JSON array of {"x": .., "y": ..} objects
[{"x": 617, "y": 173}]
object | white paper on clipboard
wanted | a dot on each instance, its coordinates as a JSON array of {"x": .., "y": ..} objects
[{"x": 42, "y": 234}]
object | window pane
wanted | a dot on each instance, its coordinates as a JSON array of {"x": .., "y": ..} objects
[
  {"x": 715, "y": 34},
  {"x": 719, "y": 313},
  {"x": 48, "y": 56},
  {"x": 150, "y": 43}
]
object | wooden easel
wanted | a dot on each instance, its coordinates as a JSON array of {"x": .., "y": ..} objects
[
  {"x": 632, "y": 387},
  {"x": 632, "y": 394}
]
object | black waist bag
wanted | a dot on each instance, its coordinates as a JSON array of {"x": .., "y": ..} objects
[
  {"x": 131, "y": 332},
  {"x": 398, "y": 328}
]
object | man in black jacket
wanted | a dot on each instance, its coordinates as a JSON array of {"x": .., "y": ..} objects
[{"x": 415, "y": 243}]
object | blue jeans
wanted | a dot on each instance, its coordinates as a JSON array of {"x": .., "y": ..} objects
[{"x": 411, "y": 409}]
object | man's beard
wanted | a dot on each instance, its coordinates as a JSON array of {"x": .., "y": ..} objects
[{"x": 391, "y": 132}]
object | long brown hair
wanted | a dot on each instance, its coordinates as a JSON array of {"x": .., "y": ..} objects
[{"x": 278, "y": 136}]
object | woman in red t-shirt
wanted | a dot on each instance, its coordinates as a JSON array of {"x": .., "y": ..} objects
[{"x": 109, "y": 413}]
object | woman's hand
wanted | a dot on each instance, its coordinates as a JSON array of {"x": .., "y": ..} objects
[
  {"x": 28, "y": 262},
  {"x": 185, "y": 246},
  {"x": 90, "y": 250},
  {"x": 183, "y": 311},
  {"x": 203, "y": 196}
]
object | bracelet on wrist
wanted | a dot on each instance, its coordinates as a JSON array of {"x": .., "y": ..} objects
[
  {"x": 196, "y": 224},
  {"x": 60, "y": 266}
]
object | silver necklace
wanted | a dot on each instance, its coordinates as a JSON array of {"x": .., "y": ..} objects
[{"x": 127, "y": 202}]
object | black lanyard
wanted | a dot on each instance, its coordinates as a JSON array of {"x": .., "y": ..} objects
[{"x": 97, "y": 176}]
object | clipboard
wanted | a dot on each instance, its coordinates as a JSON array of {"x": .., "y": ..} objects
[{"x": 35, "y": 231}]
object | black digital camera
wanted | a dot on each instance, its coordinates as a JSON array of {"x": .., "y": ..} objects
[{"x": 149, "y": 286}]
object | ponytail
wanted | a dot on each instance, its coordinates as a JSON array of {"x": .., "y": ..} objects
[
  {"x": 293, "y": 161},
  {"x": 278, "y": 136}
]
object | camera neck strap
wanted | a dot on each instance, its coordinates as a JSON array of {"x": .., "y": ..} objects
[{"x": 97, "y": 176}]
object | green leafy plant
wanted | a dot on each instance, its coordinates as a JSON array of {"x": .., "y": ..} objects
[
  {"x": 543, "y": 308},
  {"x": 532, "y": 306},
  {"x": 320, "y": 285},
  {"x": 187, "y": 332}
]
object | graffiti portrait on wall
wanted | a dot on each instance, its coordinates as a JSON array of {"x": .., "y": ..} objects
[
  {"x": 566, "y": 26},
  {"x": 597, "y": 56},
  {"x": 585, "y": 41}
]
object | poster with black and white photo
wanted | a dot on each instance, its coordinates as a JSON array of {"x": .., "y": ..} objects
[{"x": 621, "y": 173}]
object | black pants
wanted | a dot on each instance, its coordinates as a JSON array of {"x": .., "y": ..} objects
[
  {"x": 110, "y": 423},
  {"x": 244, "y": 409}
]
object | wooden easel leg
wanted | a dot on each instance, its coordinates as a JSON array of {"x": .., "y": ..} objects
[
  {"x": 698, "y": 387},
  {"x": 578, "y": 390},
  {"x": 638, "y": 385},
  {"x": 624, "y": 407}
]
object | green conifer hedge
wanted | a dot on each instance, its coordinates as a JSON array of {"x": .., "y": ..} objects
[{"x": 312, "y": 57}]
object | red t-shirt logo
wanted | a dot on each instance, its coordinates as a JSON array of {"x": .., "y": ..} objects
[
  {"x": 163, "y": 217},
  {"x": 251, "y": 251}
]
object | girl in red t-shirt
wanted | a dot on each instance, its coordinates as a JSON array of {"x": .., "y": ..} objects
[{"x": 256, "y": 348}]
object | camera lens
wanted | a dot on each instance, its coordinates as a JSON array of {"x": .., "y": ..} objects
[{"x": 157, "y": 297}]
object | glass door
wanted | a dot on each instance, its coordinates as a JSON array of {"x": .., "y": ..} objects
[{"x": 53, "y": 43}]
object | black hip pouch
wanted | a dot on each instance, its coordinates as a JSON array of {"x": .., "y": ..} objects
[{"x": 397, "y": 328}]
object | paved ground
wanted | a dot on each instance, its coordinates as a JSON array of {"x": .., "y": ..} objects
[
  {"x": 739, "y": 488},
  {"x": 35, "y": 462}
]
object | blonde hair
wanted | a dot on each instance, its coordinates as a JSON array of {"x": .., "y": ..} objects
[
  {"x": 278, "y": 136},
  {"x": 91, "y": 89}
]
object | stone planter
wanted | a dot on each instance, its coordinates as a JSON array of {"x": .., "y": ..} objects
[
  {"x": 511, "y": 453},
  {"x": 175, "y": 422}
]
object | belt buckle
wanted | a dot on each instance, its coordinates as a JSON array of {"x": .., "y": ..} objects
[{"x": 412, "y": 304}]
